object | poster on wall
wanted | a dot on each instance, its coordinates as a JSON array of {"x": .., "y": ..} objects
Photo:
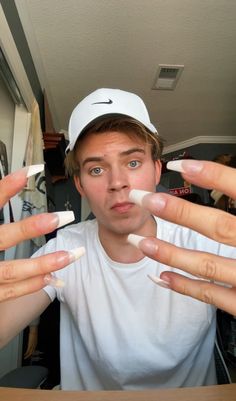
[{"x": 180, "y": 191}]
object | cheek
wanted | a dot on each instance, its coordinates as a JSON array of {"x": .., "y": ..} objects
[
  {"x": 94, "y": 192},
  {"x": 146, "y": 180}
]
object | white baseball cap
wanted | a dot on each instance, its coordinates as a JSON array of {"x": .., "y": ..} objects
[{"x": 106, "y": 101}]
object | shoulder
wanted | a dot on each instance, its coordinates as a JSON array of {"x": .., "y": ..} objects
[
  {"x": 69, "y": 237},
  {"x": 78, "y": 229}
]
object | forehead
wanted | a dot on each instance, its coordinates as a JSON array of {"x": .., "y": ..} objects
[{"x": 108, "y": 142}]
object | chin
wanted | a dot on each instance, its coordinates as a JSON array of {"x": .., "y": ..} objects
[{"x": 125, "y": 228}]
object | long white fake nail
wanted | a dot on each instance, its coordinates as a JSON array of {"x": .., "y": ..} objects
[
  {"x": 76, "y": 253},
  {"x": 65, "y": 217},
  {"x": 149, "y": 246},
  {"x": 175, "y": 165},
  {"x": 34, "y": 169},
  {"x": 159, "y": 281},
  {"x": 134, "y": 239},
  {"x": 137, "y": 195},
  {"x": 188, "y": 166},
  {"x": 53, "y": 281}
]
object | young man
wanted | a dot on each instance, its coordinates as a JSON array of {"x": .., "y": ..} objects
[{"x": 118, "y": 331}]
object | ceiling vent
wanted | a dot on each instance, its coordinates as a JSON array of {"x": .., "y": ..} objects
[{"x": 167, "y": 76}]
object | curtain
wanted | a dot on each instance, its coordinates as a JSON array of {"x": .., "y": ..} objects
[{"x": 34, "y": 195}]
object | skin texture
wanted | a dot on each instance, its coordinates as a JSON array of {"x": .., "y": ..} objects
[
  {"x": 24, "y": 276},
  {"x": 213, "y": 223},
  {"x": 111, "y": 164}
]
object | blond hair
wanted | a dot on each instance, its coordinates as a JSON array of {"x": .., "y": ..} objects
[{"x": 124, "y": 124}]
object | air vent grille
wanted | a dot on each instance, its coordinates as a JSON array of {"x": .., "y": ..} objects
[{"x": 167, "y": 76}]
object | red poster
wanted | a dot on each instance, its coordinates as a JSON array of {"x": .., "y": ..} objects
[{"x": 180, "y": 191}]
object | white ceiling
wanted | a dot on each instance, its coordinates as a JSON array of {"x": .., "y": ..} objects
[{"x": 80, "y": 45}]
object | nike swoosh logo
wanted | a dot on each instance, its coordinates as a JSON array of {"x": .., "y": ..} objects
[{"x": 109, "y": 102}]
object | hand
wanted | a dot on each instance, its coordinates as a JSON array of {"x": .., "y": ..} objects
[
  {"x": 24, "y": 276},
  {"x": 213, "y": 223}
]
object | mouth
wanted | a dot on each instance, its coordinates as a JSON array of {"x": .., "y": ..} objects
[{"x": 122, "y": 207}]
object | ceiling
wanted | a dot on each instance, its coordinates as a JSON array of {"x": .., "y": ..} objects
[{"x": 81, "y": 45}]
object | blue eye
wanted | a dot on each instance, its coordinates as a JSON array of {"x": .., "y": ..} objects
[
  {"x": 96, "y": 171},
  {"x": 134, "y": 163}
]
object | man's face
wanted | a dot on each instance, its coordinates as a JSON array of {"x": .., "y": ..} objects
[{"x": 111, "y": 164}]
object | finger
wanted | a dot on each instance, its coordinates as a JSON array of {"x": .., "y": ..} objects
[
  {"x": 221, "y": 297},
  {"x": 201, "y": 264},
  {"x": 15, "y": 182},
  {"x": 207, "y": 175},
  {"x": 13, "y": 233},
  {"x": 20, "y": 269},
  {"x": 14, "y": 290},
  {"x": 213, "y": 223}
]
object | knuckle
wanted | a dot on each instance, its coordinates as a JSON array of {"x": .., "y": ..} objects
[
  {"x": 38, "y": 265},
  {"x": 208, "y": 268},
  {"x": 8, "y": 271},
  {"x": 44, "y": 263},
  {"x": 8, "y": 293},
  {"x": 203, "y": 293},
  {"x": 24, "y": 228},
  {"x": 225, "y": 228},
  {"x": 206, "y": 294},
  {"x": 182, "y": 211},
  {"x": 2, "y": 245},
  {"x": 184, "y": 289}
]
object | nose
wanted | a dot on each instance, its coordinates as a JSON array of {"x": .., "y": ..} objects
[{"x": 117, "y": 180}]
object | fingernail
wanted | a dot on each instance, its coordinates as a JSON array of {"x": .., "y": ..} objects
[
  {"x": 53, "y": 281},
  {"x": 76, "y": 253},
  {"x": 147, "y": 199},
  {"x": 64, "y": 218},
  {"x": 134, "y": 239},
  {"x": 34, "y": 169},
  {"x": 137, "y": 195},
  {"x": 159, "y": 281},
  {"x": 147, "y": 245},
  {"x": 185, "y": 166}
]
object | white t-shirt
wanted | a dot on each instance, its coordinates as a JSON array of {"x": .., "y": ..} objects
[{"x": 119, "y": 330}]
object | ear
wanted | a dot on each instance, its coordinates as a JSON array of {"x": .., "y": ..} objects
[
  {"x": 158, "y": 167},
  {"x": 78, "y": 185}
]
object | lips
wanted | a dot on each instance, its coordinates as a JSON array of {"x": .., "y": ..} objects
[{"x": 122, "y": 207}]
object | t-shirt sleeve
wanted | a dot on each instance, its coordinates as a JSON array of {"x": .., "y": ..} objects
[{"x": 51, "y": 291}]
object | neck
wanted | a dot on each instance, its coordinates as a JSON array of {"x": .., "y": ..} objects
[{"x": 117, "y": 247}]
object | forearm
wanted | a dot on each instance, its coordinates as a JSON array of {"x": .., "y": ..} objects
[{"x": 16, "y": 314}]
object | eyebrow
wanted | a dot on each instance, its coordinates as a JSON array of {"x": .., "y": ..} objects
[{"x": 125, "y": 153}]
